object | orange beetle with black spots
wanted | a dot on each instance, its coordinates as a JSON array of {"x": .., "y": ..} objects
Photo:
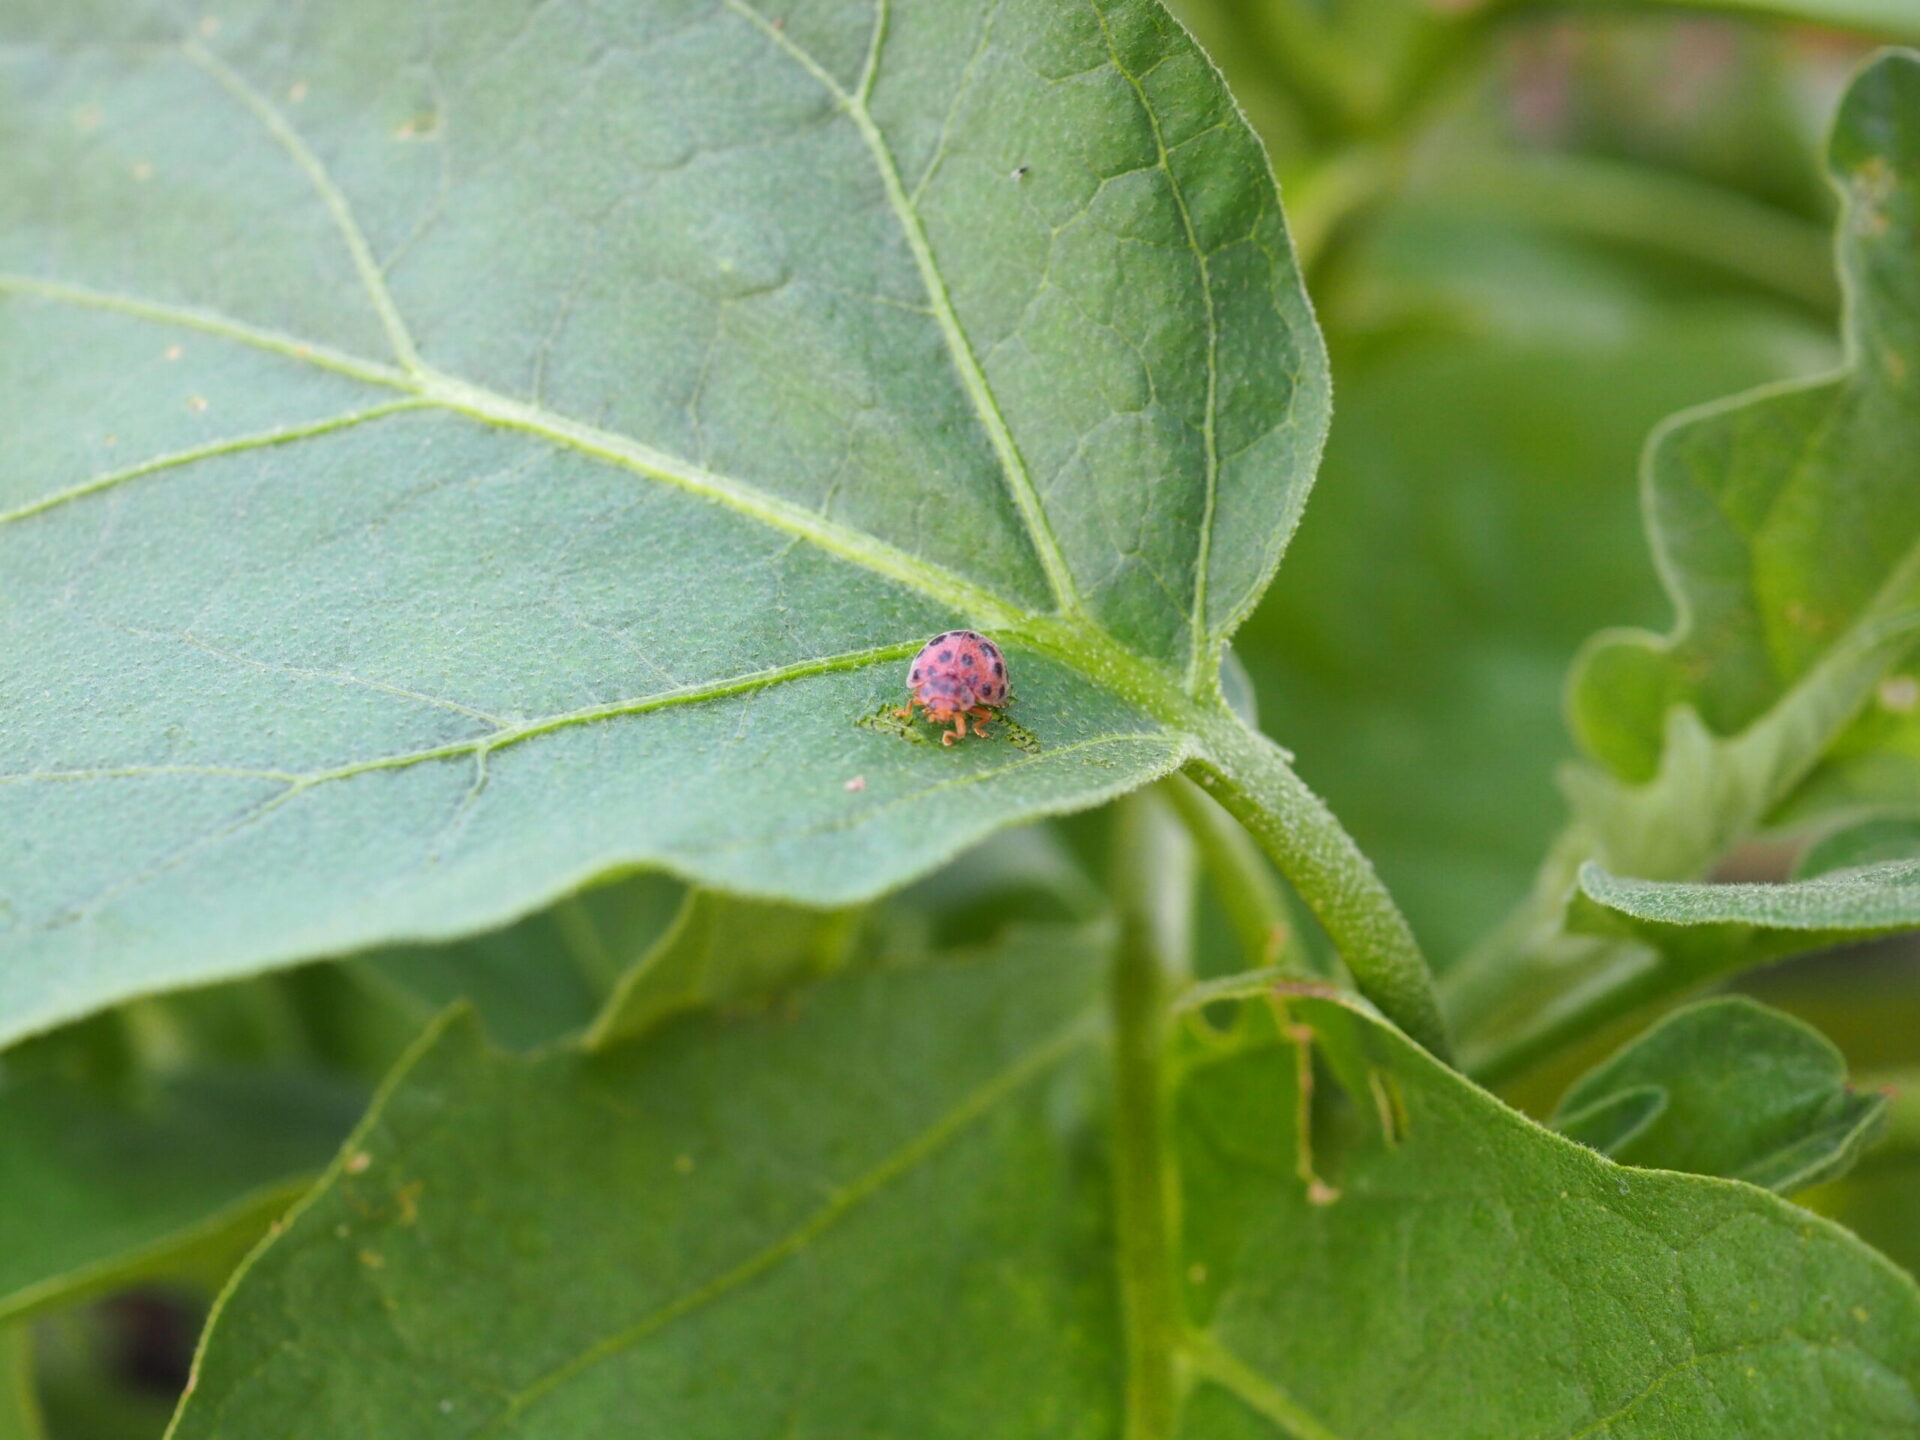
[{"x": 958, "y": 675}]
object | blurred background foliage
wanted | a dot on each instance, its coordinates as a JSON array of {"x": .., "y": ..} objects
[{"x": 1531, "y": 232}]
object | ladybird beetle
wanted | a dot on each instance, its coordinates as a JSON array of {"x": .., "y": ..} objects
[{"x": 957, "y": 674}]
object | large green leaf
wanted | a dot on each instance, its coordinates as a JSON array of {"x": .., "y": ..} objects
[
  {"x": 727, "y": 1227},
  {"x": 450, "y": 454},
  {"x": 888, "y": 1213},
  {"x": 1726, "y": 1087},
  {"x": 1474, "y": 1275}
]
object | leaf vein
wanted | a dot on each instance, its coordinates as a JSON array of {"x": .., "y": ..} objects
[
  {"x": 446, "y": 392},
  {"x": 986, "y": 404},
  {"x": 1200, "y": 637},
  {"x": 947, "y": 1127},
  {"x": 1215, "y": 1362},
  {"x": 233, "y": 445},
  {"x": 330, "y": 195}
]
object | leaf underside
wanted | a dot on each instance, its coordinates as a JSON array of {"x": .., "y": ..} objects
[{"x": 450, "y": 454}]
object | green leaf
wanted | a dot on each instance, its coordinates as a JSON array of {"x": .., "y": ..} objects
[
  {"x": 1424, "y": 696},
  {"x": 1835, "y": 906},
  {"x": 1726, "y": 1087},
  {"x": 1698, "y": 932},
  {"x": 450, "y": 458},
  {"x": 1787, "y": 529},
  {"x": 897, "y": 1181},
  {"x": 761, "y": 1225},
  {"x": 1884, "y": 840},
  {"x": 100, "y": 1190},
  {"x": 1873, "y": 767},
  {"x": 722, "y": 952},
  {"x": 1474, "y": 1275},
  {"x": 1785, "y": 523}
]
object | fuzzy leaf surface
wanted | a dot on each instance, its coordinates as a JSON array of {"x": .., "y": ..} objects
[
  {"x": 1698, "y": 932},
  {"x": 1737, "y": 1089},
  {"x": 451, "y": 454}
]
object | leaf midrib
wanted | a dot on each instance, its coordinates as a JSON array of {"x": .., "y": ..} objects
[
  {"x": 986, "y": 405},
  {"x": 1025, "y": 1069},
  {"x": 426, "y": 388},
  {"x": 1069, "y": 635}
]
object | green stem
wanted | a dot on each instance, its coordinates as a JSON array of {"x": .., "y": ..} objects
[
  {"x": 1637, "y": 205},
  {"x": 1886, "y": 20},
  {"x": 1240, "y": 878},
  {"x": 19, "y": 1403},
  {"x": 1247, "y": 773},
  {"x": 1152, "y": 886}
]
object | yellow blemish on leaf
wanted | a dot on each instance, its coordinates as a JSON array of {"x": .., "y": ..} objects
[
  {"x": 371, "y": 1259},
  {"x": 683, "y": 1164},
  {"x": 1900, "y": 694},
  {"x": 87, "y": 119},
  {"x": 209, "y": 26},
  {"x": 197, "y": 403},
  {"x": 358, "y": 1162},
  {"x": 408, "y": 1199},
  {"x": 297, "y": 92},
  {"x": 142, "y": 171},
  {"x": 173, "y": 352}
]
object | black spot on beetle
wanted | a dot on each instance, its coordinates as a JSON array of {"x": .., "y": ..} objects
[
  {"x": 946, "y": 655},
  {"x": 967, "y": 659},
  {"x": 916, "y": 673},
  {"x": 998, "y": 668}
]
